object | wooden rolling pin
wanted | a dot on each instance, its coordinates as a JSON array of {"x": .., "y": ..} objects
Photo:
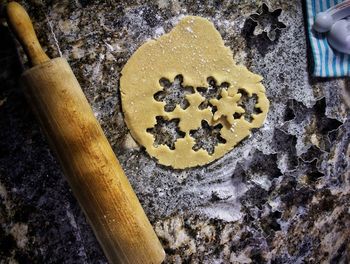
[{"x": 88, "y": 161}]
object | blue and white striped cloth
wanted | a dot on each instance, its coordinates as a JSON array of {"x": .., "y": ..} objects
[{"x": 327, "y": 61}]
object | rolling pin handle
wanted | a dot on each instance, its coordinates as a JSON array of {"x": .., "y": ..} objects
[{"x": 22, "y": 26}]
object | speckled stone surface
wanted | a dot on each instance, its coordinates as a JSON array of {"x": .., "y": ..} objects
[{"x": 281, "y": 196}]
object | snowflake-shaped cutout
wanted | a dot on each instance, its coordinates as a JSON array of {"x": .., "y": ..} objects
[
  {"x": 227, "y": 107},
  {"x": 213, "y": 91},
  {"x": 173, "y": 93},
  {"x": 166, "y": 132},
  {"x": 250, "y": 105},
  {"x": 207, "y": 137}
]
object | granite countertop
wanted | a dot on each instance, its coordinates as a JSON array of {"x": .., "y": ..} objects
[{"x": 281, "y": 196}]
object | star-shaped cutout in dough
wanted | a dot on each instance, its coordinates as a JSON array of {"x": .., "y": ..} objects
[
  {"x": 191, "y": 117},
  {"x": 227, "y": 106}
]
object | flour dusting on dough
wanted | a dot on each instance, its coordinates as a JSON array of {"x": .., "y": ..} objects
[{"x": 184, "y": 98}]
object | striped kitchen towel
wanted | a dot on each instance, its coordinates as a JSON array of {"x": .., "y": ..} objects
[{"x": 327, "y": 61}]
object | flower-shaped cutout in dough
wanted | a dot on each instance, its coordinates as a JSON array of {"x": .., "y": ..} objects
[
  {"x": 166, "y": 132},
  {"x": 250, "y": 104},
  {"x": 227, "y": 106},
  {"x": 213, "y": 91},
  {"x": 207, "y": 137},
  {"x": 173, "y": 93}
]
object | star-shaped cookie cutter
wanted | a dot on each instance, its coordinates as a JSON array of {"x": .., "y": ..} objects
[{"x": 267, "y": 21}]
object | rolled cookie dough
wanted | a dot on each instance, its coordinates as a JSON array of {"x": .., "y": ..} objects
[{"x": 171, "y": 105}]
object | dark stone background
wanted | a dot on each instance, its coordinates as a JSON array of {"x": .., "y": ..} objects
[{"x": 281, "y": 196}]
